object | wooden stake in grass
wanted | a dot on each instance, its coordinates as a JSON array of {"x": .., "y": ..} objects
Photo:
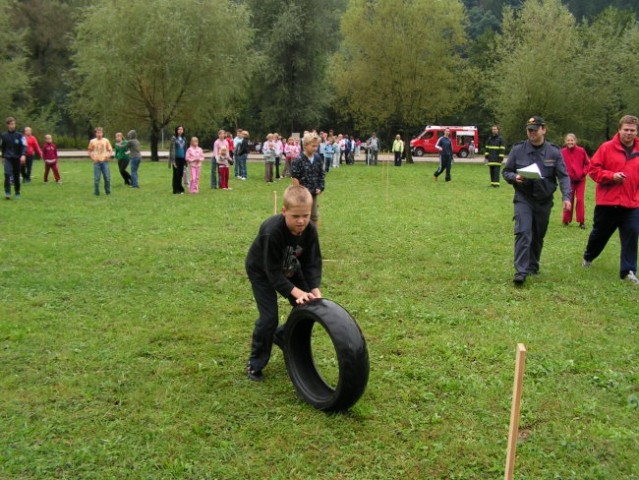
[
  {"x": 513, "y": 433},
  {"x": 274, "y": 202}
]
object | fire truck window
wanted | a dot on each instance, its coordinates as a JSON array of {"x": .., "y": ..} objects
[{"x": 428, "y": 135}]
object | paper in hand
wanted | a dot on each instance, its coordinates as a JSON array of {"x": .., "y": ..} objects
[{"x": 530, "y": 172}]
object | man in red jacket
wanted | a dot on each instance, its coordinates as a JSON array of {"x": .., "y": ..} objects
[{"x": 615, "y": 168}]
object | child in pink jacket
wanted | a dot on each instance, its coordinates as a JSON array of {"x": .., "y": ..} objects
[{"x": 194, "y": 158}]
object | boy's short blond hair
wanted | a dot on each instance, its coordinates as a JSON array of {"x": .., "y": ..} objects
[
  {"x": 310, "y": 137},
  {"x": 296, "y": 195}
]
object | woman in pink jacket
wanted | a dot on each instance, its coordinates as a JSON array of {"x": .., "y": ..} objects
[{"x": 577, "y": 162}]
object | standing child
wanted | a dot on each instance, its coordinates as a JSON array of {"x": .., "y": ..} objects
[
  {"x": 279, "y": 149},
  {"x": 285, "y": 258},
  {"x": 337, "y": 150},
  {"x": 329, "y": 153},
  {"x": 122, "y": 157},
  {"x": 100, "y": 151},
  {"x": 217, "y": 145},
  {"x": 194, "y": 157},
  {"x": 135, "y": 154},
  {"x": 224, "y": 161},
  {"x": 50, "y": 157},
  {"x": 307, "y": 170},
  {"x": 33, "y": 147},
  {"x": 269, "y": 152},
  {"x": 291, "y": 152}
]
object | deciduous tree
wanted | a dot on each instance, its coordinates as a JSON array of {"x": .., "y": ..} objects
[
  {"x": 294, "y": 41},
  {"x": 401, "y": 62},
  {"x": 14, "y": 79},
  {"x": 536, "y": 71},
  {"x": 149, "y": 63},
  {"x": 609, "y": 68}
]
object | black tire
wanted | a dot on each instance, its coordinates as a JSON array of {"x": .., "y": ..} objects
[
  {"x": 419, "y": 152},
  {"x": 463, "y": 153},
  {"x": 350, "y": 349}
]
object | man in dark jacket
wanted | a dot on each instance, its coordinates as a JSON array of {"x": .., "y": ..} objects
[
  {"x": 534, "y": 194},
  {"x": 494, "y": 153},
  {"x": 445, "y": 147},
  {"x": 14, "y": 151}
]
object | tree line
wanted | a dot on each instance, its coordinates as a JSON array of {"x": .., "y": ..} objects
[{"x": 356, "y": 66}]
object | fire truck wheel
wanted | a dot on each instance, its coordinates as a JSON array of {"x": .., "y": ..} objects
[{"x": 350, "y": 349}]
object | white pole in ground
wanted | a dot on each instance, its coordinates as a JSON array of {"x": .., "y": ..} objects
[
  {"x": 274, "y": 202},
  {"x": 513, "y": 433}
]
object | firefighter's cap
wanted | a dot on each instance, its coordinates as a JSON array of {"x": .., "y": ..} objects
[{"x": 535, "y": 122}]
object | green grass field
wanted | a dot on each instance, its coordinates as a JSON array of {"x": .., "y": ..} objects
[{"x": 125, "y": 324}]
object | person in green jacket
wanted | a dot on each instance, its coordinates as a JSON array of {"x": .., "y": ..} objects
[{"x": 121, "y": 147}]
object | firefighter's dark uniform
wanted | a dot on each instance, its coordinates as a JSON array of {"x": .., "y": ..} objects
[
  {"x": 494, "y": 153},
  {"x": 533, "y": 199}
]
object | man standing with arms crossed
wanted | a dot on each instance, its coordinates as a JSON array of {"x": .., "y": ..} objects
[
  {"x": 534, "y": 197},
  {"x": 615, "y": 168}
]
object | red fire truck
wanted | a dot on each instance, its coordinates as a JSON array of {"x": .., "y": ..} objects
[{"x": 460, "y": 137}]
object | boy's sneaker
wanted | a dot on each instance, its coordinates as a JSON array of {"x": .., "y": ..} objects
[
  {"x": 7, "y": 196},
  {"x": 632, "y": 278},
  {"x": 255, "y": 375},
  {"x": 17, "y": 196},
  {"x": 586, "y": 263},
  {"x": 519, "y": 279}
]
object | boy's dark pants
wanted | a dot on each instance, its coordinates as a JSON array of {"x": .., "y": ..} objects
[
  {"x": 266, "y": 324},
  {"x": 26, "y": 168},
  {"x": 11, "y": 169},
  {"x": 126, "y": 176}
]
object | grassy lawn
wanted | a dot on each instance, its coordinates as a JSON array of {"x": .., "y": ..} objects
[{"x": 125, "y": 324}]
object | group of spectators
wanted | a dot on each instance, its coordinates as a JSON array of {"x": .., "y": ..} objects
[
  {"x": 18, "y": 151},
  {"x": 227, "y": 151},
  {"x": 614, "y": 167}
]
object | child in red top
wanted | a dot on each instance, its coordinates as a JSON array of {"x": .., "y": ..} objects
[
  {"x": 50, "y": 157},
  {"x": 33, "y": 147},
  {"x": 577, "y": 162}
]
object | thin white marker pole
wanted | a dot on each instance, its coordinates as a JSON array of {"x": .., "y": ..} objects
[
  {"x": 274, "y": 202},
  {"x": 513, "y": 433}
]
